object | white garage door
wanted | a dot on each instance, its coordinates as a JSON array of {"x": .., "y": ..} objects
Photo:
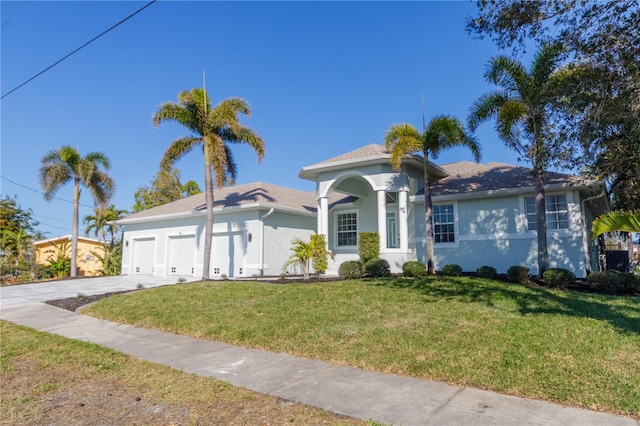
[
  {"x": 143, "y": 255},
  {"x": 227, "y": 254},
  {"x": 181, "y": 257}
]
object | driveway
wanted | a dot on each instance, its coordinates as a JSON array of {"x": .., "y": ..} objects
[{"x": 61, "y": 289}]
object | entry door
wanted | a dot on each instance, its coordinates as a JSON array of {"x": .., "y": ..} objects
[
  {"x": 392, "y": 230},
  {"x": 181, "y": 258},
  {"x": 143, "y": 255},
  {"x": 227, "y": 254}
]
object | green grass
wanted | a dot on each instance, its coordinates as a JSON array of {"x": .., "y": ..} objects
[{"x": 573, "y": 348}]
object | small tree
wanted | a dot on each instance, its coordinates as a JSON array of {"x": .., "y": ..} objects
[
  {"x": 320, "y": 253},
  {"x": 369, "y": 246},
  {"x": 306, "y": 251}
]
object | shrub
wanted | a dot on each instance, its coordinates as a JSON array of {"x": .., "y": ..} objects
[
  {"x": 414, "y": 268},
  {"x": 487, "y": 272},
  {"x": 369, "y": 246},
  {"x": 350, "y": 269},
  {"x": 319, "y": 257},
  {"x": 558, "y": 277},
  {"x": 452, "y": 270},
  {"x": 519, "y": 274},
  {"x": 614, "y": 282},
  {"x": 378, "y": 268}
]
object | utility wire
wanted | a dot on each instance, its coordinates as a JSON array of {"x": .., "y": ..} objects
[
  {"x": 84, "y": 45},
  {"x": 6, "y": 21},
  {"x": 39, "y": 192}
]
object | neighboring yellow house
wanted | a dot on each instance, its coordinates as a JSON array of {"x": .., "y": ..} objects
[{"x": 87, "y": 263}]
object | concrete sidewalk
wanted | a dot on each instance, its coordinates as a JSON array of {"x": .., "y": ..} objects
[{"x": 349, "y": 391}]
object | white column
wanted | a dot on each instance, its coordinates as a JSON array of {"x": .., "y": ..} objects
[
  {"x": 323, "y": 217},
  {"x": 382, "y": 219},
  {"x": 403, "y": 221}
]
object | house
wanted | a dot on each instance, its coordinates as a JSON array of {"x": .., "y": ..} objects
[
  {"x": 483, "y": 214},
  {"x": 87, "y": 262}
]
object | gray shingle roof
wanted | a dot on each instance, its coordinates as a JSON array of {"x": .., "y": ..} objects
[
  {"x": 467, "y": 177},
  {"x": 256, "y": 193},
  {"x": 371, "y": 150}
]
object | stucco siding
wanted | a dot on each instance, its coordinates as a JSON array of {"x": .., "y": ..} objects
[{"x": 279, "y": 230}]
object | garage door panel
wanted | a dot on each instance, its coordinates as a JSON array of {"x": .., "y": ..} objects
[
  {"x": 181, "y": 256},
  {"x": 227, "y": 254},
  {"x": 143, "y": 255}
]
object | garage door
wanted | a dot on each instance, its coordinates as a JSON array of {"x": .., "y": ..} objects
[
  {"x": 227, "y": 254},
  {"x": 181, "y": 257},
  {"x": 143, "y": 255}
]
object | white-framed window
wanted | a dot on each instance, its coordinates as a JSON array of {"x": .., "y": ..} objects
[
  {"x": 347, "y": 229},
  {"x": 557, "y": 212},
  {"x": 444, "y": 223}
]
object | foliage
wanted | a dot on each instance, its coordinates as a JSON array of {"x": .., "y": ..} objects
[
  {"x": 414, "y": 268},
  {"x": 558, "y": 277},
  {"x": 320, "y": 253},
  {"x": 59, "y": 266},
  {"x": 350, "y": 269},
  {"x": 625, "y": 221},
  {"x": 102, "y": 222},
  {"x": 14, "y": 218},
  {"x": 377, "y": 268},
  {"x": 368, "y": 246},
  {"x": 212, "y": 129},
  {"x": 164, "y": 188},
  {"x": 111, "y": 259},
  {"x": 442, "y": 133},
  {"x": 614, "y": 282},
  {"x": 486, "y": 272},
  {"x": 602, "y": 110},
  {"x": 518, "y": 273},
  {"x": 65, "y": 165},
  {"x": 16, "y": 244},
  {"x": 452, "y": 270},
  {"x": 521, "y": 107}
]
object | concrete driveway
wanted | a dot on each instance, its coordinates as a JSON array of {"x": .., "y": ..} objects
[{"x": 61, "y": 289}]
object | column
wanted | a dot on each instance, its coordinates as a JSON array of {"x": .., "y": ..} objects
[
  {"x": 382, "y": 219},
  {"x": 403, "y": 221},
  {"x": 323, "y": 217}
]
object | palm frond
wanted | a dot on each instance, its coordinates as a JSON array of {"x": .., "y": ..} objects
[
  {"x": 485, "y": 108},
  {"x": 626, "y": 221},
  {"x": 53, "y": 176},
  {"x": 171, "y": 111},
  {"x": 510, "y": 116},
  {"x": 402, "y": 139},
  {"x": 177, "y": 150},
  {"x": 243, "y": 134}
]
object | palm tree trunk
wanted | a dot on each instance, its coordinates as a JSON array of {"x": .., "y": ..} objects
[
  {"x": 208, "y": 229},
  {"x": 74, "y": 232},
  {"x": 540, "y": 201},
  {"x": 428, "y": 218}
]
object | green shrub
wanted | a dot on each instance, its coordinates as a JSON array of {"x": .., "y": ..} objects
[
  {"x": 452, "y": 270},
  {"x": 519, "y": 274},
  {"x": 319, "y": 257},
  {"x": 414, "y": 268},
  {"x": 378, "y": 268},
  {"x": 487, "y": 272},
  {"x": 369, "y": 246},
  {"x": 614, "y": 282},
  {"x": 350, "y": 269},
  {"x": 558, "y": 277}
]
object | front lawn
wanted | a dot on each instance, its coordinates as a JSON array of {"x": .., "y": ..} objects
[{"x": 574, "y": 348}]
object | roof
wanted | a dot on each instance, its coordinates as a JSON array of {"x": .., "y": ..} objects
[
  {"x": 467, "y": 177},
  {"x": 66, "y": 238},
  {"x": 250, "y": 195},
  {"x": 366, "y": 155}
]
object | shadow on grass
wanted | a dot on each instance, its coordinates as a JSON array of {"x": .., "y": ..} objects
[{"x": 622, "y": 312}]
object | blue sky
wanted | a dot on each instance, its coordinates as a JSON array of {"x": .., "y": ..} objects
[{"x": 322, "y": 78}]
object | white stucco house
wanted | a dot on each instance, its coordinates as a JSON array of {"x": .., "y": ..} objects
[{"x": 483, "y": 215}]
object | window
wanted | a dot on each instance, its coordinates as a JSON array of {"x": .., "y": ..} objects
[
  {"x": 347, "y": 227},
  {"x": 443, "y": 224},
  {"x": 557, "y": 212}
]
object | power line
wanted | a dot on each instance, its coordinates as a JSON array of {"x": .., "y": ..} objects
[
  {"x": 6, "y": 21},
  {"x": 39, "y": 192},
  {"x": 84, "y": 45}
]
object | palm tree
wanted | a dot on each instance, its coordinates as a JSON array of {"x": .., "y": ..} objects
[
  {"x": 212, "y": 129},
  {"x": 624, "y": 221},
  {"x": 65, "y": 165},
  {"x": 303, "y": 252},
  {"x": 17, "y": 243},
  {"x": 102, "y": 222},
  {"x": 443, "y": 132},
  {"x": 521, "y": 108}
]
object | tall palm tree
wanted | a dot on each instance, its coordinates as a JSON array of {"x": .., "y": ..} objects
[
  {"x": 443, "y": 132},
  {"x": 65, "y": 165},
  {"x": 212, "y": 129},
  {"x": 521, "y": 108}
]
